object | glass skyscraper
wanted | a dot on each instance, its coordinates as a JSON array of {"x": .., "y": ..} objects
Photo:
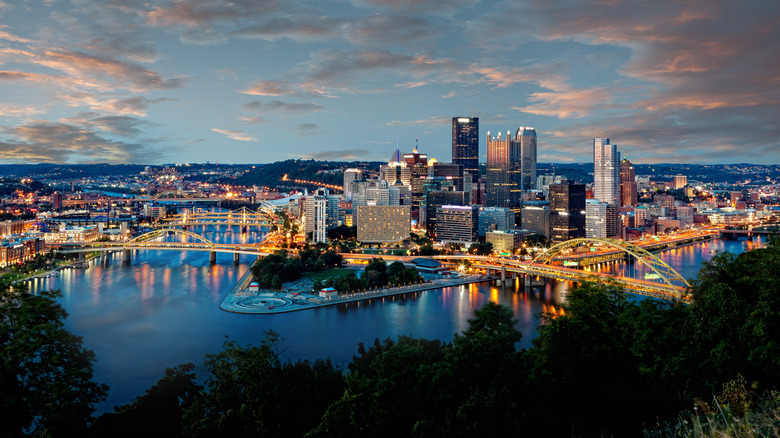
[
  {"x": 606, "y": 171},
  {"x": 465, "y": 144},
  {"x": 511, "y": 168}
]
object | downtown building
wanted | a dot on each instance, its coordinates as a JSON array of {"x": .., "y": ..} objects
[
  {"x": 383, "y": 223},
  {"x": 511, "y": 169},
  {"x": 606, "y": 171},
  {"x": 567, "y": 212},
  {"x": 628, "y": 187},
  {"x": 537, "y": 219},
  {"x": 457, "y": 223},
  {"x": 465, "y": 144}
]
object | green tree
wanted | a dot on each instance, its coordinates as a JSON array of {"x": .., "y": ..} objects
[
  {"x": 249, "y": 392},
  {"x": 158, "y": 412},
  {"x": 734, "y": 326},
  {"x": 45, "y": 373}
]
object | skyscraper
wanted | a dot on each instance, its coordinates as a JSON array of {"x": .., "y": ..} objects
[
  {"x": 627, "y": 183},
  {"x": 465, "y": 144},
  {"x": 511, "y": 168},
  {"x": 567, "y": 212},
  {"x": 527, "y": 138},
  {"x": 606, "y": 171}
]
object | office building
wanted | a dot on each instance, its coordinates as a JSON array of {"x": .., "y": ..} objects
[
  {"x": 418, "y": 171},
  {"x": 628, "y": 186},
  {"x": 527, "y": 138},
  {"x": 457, "y": 223},
  {"x": 465, "y": 144},
  {"x": 595, "y": 219},
  {"x": 614, "y": 224},
  {"x": 495, "y": 218},
  {"x": 511, "y": 168},
  {"x": 315, "y": 218},
  {"x": 680, "y": 181},
  {"x": 436, "y": 198},
  {"x": 537, "y": 219},
  {"x": 506, "y": 241},
  {"x": 449, "y": 171},
  {"x": 350, "y": 176},
  {"x": 664, "y": 200},
  {"x": 567, "y": 212},
  {"x": 383, "y": 223},
  {"x": 606, "y": 171}
]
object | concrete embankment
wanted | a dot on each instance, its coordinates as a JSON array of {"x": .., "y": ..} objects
[{"x": 267, "y": 302}]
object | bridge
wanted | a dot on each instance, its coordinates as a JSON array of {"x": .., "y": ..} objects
[
  {"x": 670, "y": 285},
  {"x": 664, "y": 282},
  {"x": 147, "y": 242},
  {"x": 243, "y": 217}
]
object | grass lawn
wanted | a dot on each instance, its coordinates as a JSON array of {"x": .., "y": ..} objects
[{"x": 327, "y": 273}]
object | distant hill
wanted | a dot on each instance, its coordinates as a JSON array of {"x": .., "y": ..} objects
[{"x": 326, "y": 172}]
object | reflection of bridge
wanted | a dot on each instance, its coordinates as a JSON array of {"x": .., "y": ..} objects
[
  {"x": 670, "y": 284},
  {"x": 242, "y": 217},
  {"x": 147, "y": 242}
]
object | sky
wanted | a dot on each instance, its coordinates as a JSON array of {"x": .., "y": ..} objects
[{"x": 258, "y": 81}]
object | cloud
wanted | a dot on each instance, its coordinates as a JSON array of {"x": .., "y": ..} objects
[
  {"x": 98, "y": 72},
  {"x": 339, "y": 155},
  {"x": 277, "y": 106},
  {"x": 65, "y": 143},
  {"x": 413, "y": 84},
  {"x": 307, "y": 129},
  {"x": 430, "y": 121},
  {"x": 107, "y": 28},
  {"x": 23, "y": 111},
  {"x": 235, "y": 135},
  {"x": 214, "y": 21},
  {"x": 5, "y": 35},
  {"x": 569, "y": 104},
  {"x": 271, "y": 88},
  {"x": 121, "y": 125},
  {"x": 390, "y": 29},
  {"x": 135, "y": 106},
  {"x": 339, "y": 68},
  {"x": 443, "y": 7},
  {"x": 255, "y": 120}
]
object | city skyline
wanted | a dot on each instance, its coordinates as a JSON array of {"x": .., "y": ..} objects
[{"x": 157, "y": 82}]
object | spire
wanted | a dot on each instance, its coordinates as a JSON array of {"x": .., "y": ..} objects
[
  {"x": 416, "y": 143},
  {"x": 396, "y": 157}
]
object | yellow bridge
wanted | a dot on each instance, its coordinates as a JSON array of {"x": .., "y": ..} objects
[{"x": 243, "y": 217}]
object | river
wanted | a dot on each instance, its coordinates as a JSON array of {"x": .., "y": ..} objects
[{"x": 162, "y": 309}]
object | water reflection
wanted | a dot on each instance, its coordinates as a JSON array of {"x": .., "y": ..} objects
[{"x": 161, "y": 310}]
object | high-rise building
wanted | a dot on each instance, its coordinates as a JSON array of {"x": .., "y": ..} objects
[
  {"x": 350, "y": 176},
  {"x": 456, "y": 223},
  {"x": 511, "y": 169},
  {"x": 567, "y": 212},
  {"x": 450, "y": 171},
  {"x": 383, "y": 223},
  {"x": 606, "y": 171},
  {"x": 418, "y": 171},
  {"x": 527, "y": 138},
  {"x": 627, "y": 183},
  {"x": 315, "y": 219},
  {"x": 465, "y": 144},
  {"x": 537, "y": 219},
  {"x": 595, "y": 219},
  {"x": 495, "y": 218},
  {"x": 680, "y": 181}
]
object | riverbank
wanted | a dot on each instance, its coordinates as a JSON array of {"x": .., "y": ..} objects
[{"x": 269, "y": 302}]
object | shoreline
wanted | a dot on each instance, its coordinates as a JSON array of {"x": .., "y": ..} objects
[{"x": 266, "y": 303}]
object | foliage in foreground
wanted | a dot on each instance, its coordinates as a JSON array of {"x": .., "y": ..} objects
[
  {"x": 607, "y": 367},
  {"x": 46, "y": 385}
]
